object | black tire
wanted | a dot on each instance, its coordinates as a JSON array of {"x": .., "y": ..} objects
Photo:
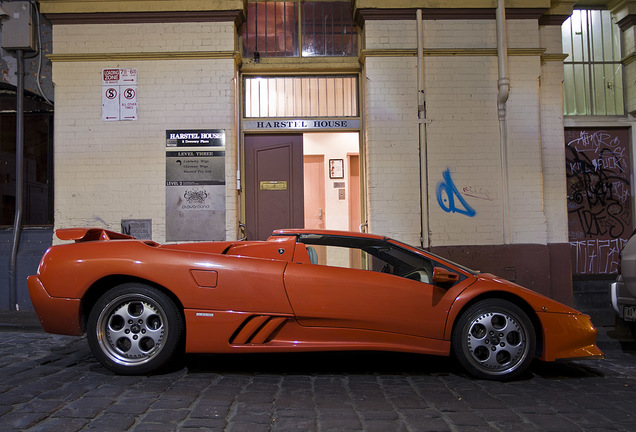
[
  {"x": 135, "y": 329},
  {"x": 494, "y": 339}
]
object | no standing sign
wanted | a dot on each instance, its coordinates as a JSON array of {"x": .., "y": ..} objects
[{"x": 119, "y": 94}]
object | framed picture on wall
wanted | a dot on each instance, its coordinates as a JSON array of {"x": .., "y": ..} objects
[{"x": 336, "y": 168}]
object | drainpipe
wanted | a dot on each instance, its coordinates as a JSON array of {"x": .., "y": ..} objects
[
  {"x": 19, "y": 182},
  {"x": 503, "y": 84},
  {"x": 421, "y": 114},
  {"x": 237, "y": 107}
]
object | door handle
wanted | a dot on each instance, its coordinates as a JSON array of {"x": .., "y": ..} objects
[{"x": 319, "y": 215}]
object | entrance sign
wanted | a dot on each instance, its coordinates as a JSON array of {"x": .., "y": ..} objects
[
  {"x": 119, "y": 94},
  {"x": 195, "y": 138},
  {"x": 299, "y": 124}
]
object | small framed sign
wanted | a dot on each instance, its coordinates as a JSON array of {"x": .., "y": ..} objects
[
  {"x": 138, "y": 228},
  {"x": 336, "y": 168}
]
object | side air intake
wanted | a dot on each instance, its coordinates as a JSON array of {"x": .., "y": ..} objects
[{"x": 257, "y": 329}]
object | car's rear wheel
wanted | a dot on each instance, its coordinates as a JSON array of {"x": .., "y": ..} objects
[
  {"x": 135, "y": 329},
  {"x": 494, "y": 339}
]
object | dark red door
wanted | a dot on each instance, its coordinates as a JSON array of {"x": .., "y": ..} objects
[{"x": 273, "y": 184}]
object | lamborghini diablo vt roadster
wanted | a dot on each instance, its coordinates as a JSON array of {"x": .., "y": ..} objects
[{"x": 142, "y": 304}]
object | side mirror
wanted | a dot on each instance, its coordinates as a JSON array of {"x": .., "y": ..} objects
[{"x": 443, "y": 276}]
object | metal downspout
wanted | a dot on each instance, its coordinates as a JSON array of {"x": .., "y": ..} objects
[
  {"x": 19, "y": 182},
  {"x": 237, "y": 94},
  {"x": 503, "y": 84},
  {"x": 421, "y": 114}
]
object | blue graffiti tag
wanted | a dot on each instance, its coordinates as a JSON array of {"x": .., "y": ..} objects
[{"x": 446, "y": 193}]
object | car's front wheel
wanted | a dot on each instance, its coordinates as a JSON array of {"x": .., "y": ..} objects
[
  {"x": 494, "y": 339},
  {"x": 135, "y": 329}
]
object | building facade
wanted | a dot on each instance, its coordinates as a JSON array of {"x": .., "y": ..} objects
[{"x": 440, "y": 124}]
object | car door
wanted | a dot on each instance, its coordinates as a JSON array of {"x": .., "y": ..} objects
[{"x": 376, "y": 297}]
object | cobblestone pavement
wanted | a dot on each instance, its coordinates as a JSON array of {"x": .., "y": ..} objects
[{"x": 53, "y": 383}]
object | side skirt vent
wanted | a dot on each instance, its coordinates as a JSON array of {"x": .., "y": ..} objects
[{"x": 257, "y": 329}]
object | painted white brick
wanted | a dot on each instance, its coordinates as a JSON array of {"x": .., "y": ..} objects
[
  {"x": 463, "y": 136},
  {"x": 392, "y": 148},
  {"x": 552, "y": 140},
  {"x": 459, "y": 34},
  {"x": 390, "y": 35},
  {"x": 150, "y": 37},
  {"x": 108, "y": 171}
]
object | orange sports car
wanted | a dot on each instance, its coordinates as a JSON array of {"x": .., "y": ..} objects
[{"x": 142, "y": 303}]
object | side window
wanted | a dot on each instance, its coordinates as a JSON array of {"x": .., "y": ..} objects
[
  {"x": 406, "y": 264},
  {"x": 340, "y": 256},
  {"x": 378, "y": 257}
]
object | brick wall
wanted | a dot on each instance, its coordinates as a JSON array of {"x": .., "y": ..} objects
[
  {"x": 528, "y": 224},
  {"x": 463, "y": 141},
  {"x": 552, "y": 140},
  {"x": 463, "y": 176},
  {"x": 149, "y": 37},
  {"x": 108, "y": 171},
  {"x": 392, "y": 148}
]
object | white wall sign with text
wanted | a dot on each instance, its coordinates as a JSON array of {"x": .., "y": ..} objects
[
  {"x": 302, "y": 124},
  {"x": 119, "y": 94}
]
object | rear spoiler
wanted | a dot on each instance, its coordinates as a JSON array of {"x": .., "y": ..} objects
[{"x": 89, "y": 234}]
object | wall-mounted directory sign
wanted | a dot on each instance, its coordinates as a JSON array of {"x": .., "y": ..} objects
[
  {"x": 195, "y": 168},
  {"x": 195, "y": 195}
]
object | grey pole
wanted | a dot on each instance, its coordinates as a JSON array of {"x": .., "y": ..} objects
[{"x": 19, "y": 182}]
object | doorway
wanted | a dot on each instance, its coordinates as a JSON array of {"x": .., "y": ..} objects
[
  {"x": 308, "y": 180},
  {"x": 314, "y": 186},
  {"x": 273, "y": 184}
]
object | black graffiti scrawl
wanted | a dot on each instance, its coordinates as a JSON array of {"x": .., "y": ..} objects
[{"x": 599, "y": 198}]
